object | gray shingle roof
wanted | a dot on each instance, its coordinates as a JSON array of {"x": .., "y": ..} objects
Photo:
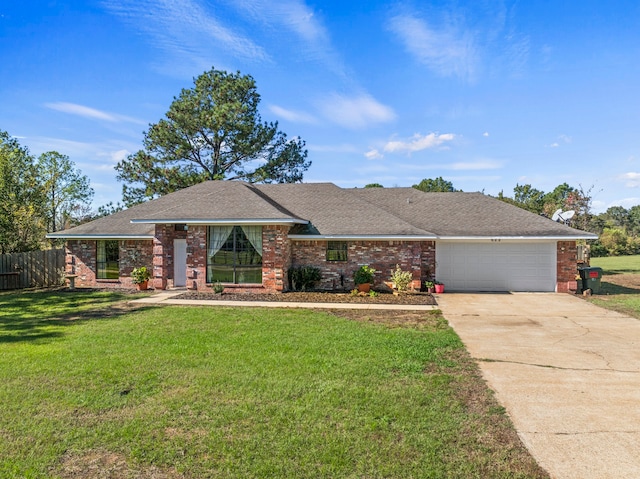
[
  {"x": 331, "y": 211},
  {"x": 462, "y": 214},
  {"x": 335, "y": 211}
]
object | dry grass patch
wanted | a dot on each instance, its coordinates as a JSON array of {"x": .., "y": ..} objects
[{"x": 102, "y": 464}]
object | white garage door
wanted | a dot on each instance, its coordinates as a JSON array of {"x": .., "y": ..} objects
[{"x": 496, "y": 266}]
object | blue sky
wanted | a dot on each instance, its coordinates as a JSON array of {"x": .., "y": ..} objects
[{"x": 486, "y": 94}]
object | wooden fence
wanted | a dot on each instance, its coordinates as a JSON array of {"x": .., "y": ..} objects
[{"x": 32, "y": 269}]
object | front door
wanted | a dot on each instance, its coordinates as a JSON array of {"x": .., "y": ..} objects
[{"x": 179, "y": 262}]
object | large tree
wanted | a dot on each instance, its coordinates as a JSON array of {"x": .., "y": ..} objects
[
  {"x": 22, "y": 225},
  {"x": 66, "y": 189},
  {"x": 438, "y": 185},
  {"x": 212, "y": 131}
]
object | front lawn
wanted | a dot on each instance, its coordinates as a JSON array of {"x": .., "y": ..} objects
[{"x": 185, "y": 392}]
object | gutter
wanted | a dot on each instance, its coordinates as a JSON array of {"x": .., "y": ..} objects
[
  {"x": 519, "y": 238},
  {"x": 98, "y": 236},
  {"x": 363, "y": 237}
]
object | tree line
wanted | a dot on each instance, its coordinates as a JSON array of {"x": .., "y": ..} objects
[{"x": 37, "y": 195}]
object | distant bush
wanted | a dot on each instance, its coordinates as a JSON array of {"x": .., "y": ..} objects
[{"x": 302, "y": 278}]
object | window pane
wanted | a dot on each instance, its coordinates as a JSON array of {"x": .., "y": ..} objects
[
  {"x": 108, "y": 259},
  {"x": 336, "y": 251}
]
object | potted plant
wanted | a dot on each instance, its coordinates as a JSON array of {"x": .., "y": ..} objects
[
  {"x": 363, "y": 277},
  {"x": 430, "y": 285},
  {"x": 439, "y": 287},
  {"x": 140, "y": 277}
]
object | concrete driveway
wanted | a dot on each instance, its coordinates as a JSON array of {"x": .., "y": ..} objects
[{"x": 568, "y": 373}]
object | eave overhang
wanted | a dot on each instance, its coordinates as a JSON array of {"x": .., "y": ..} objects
[
  {"x": 362, "y": 237},
  {"x": 98, "y": 236},
  {"x": 519, "y": 238}
]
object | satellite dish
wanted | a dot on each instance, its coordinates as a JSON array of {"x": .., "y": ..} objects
[{"x": 563, "y": 216}]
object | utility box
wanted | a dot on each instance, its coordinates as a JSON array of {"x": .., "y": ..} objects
[{"x": 591, "y": 279}]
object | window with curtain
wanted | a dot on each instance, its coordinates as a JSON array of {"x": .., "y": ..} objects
[
  {"x": 234, "y": 254},
  {"x": 108, "y": 259}
]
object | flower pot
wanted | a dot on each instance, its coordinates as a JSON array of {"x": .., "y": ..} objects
[
  {"x": 439, "y": 288},
  {"x": 431, "y": 289},
  {"x": 364, "y": 287},
  {"x": 142, "y": 286}
]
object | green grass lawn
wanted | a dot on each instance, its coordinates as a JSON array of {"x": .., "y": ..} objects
[
  {"x": 619, "y": 291},
  {"x": 618, "y": 264},
  {"x": 88, "y": 387}
]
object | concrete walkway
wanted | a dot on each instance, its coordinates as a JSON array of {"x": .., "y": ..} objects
[
  {"x": 568, "y": 373},
  {"x": 168, "y": 297}
]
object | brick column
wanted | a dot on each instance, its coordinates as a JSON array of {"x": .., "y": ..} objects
[
  {"x": 197, "y": 258},
  {"x": 566, "y": 266},
  {"x": 276, "y": 257}
]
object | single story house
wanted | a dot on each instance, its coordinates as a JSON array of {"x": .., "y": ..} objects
[{"x": 247, "y": 236}]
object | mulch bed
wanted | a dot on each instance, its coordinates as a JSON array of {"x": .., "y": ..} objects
[{"x": 315, "y": 297}]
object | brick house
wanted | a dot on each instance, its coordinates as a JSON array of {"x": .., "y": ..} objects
[{"x": 247, "y": 236}]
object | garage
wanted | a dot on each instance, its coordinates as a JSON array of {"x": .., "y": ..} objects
[{"x": 496, "y": 265}]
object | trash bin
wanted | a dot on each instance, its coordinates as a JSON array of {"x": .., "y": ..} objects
[{"x": 591, "y": 279}]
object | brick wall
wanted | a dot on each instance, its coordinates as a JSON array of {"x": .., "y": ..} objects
[
  {"x": 566, "y": 266},
  {"x": 415, "y": 256},
  {"x": 81, "y": 261}
]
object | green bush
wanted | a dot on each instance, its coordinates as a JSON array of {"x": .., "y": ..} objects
[
  {"x": 364, "y": 274},
  {"x": 303, "y": 278}
]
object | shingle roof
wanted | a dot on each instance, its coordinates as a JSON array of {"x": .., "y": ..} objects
[
  {"x": 462, "y": 214},
  {"x": 335, "y": 211},
  {"x": 331, "y": 211}
]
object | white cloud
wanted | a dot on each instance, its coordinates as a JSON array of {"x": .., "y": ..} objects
[
  {"x": 448, "y": 51},
  {"x": 625, "y": 203},
  {"x": 561, "y": 140},
  {"x": 355, "y": 112},
  {"x": 92, "y": 113},
  {"x": 186, "y": 29},
  {"x": 419, "y": 142},
  {"x": 631, "y": 179},
  {"x": 373, "y": 155},
  {"x": 118, "y": 156},
  {"x": 312, "y": 40},
  {"x": 485, "y": 134},
  {"x": 292, "y": 116}
]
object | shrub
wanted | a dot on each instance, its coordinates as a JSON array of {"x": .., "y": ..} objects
[
  {"x": 364, "y": 274},
  {"x": 140, "y": 275},
  {"x": 218, "y": 288},
  {"x": 302, "y": 278},
  {"x": 401, "y": 279}
]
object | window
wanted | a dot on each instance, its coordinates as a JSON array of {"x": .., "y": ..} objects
[
  {"x": 336, "y": 251},
  {"x": 108, "y": 258},
  {"x": 234, "y": 254}
]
